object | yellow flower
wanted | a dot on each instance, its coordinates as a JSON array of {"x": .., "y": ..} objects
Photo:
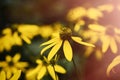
[
  {"x": 108, "y": 36},
  {"x": 80, "y": 12},
  {"x": 25, "y": 32},
  {"x": 15, "y": 76},
  {"x": 11, "y": 65},
  {"x": 6, "y": 40},
  {"x": 63, "y": 39},
  {"x": 46, "y": 66}
]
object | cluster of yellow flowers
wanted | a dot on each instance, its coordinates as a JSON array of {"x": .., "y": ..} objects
[{"x": 87, "y": 31}]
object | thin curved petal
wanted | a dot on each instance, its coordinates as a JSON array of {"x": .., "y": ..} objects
[
  {"x": 59, "y": 69},
  {"x": 16, "y": 75},
  {"x": 67, "y": 50},
  {"x": 2, "y": 75},
  {"x": 21, "y": 64},
  {"x": 113, "y": 46},
  {"x": 8, "y": 58},
  {"x": 76, "y": 38},
  {"x": 49, "y": 42},
  {"x": 115, "y": 62},
  {"x": 47, "y": 47},
  {"x": 54, "y": 50},
  {"x": 41, "y": 73},
  {"x": 51, "y": 71},
  {"x": 79, "y": 40}
]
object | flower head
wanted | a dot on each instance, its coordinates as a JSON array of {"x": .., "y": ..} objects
[
  {"x": 108, "y": 36},
  {"x": 11, "y": 65},
  {"x": 63, "y": 40},
  {"x": 45, "y": 66}
]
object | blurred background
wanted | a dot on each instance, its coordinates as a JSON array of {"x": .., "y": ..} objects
[{"x": 50, "y": 11}]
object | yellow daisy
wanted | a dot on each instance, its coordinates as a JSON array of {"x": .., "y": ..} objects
[
  {"x": 63, "y": 39},
  {"x": 15, "y": 76},
  {"x": 6, "y": 40},
  {"x": 46, "y": 66},
  {"x": 24, "y": 32},
  {"x": 108, "y": 36},
  {"x": 11, "y": 65}
]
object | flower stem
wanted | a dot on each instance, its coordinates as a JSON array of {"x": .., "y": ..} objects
[{"x": 76, "y": 70}]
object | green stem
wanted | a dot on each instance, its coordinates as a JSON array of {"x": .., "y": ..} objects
[{"x": 75, "y": 66}]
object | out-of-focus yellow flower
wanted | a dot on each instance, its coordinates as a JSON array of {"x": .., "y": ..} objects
[
  {"x": 6, "y": 40},
  {"x": 79, "y": 12},
  {"x": 46, "y": 66},
  {"x": 106, "y": 7},
  {"x": 15, "y": 76},
  {"x": 107, "y": 35},
  {"x": 64, "y": 38},
  {"x": 27, "y": 32},
  {"x": 11, "y": 65},
  {"x": 49, "y": 30},
  {"x": 114, "y": 63}
]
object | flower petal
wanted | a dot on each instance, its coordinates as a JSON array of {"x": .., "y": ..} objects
[
  {"x": 59, "y": 69},
  {"x": 47, "y": 47},
  {"x": 97, "y": 27},
  {"x": 113, "y": 45},
  {"x": 49, "y": 42},
  {"x": 26, "y": 39},
  {"x": 105, "y": 43},
  {"x": 67, "y": 50},
  {"x": 17, "y": 57},
  {"x": 16, "y": 75},
  {"x": 41, "y": 73},
  {"x": 2, "y": 75},
  {"x": 34, "y": 71},
  {"x": 8, "y": 58},
  {"x": 51, "y": 72},
  {"x": 79, "y": 40},
  {"x": 115, "y": 62},
  {"x": 54, "y": 50}
]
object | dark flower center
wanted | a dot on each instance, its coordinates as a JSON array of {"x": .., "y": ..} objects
[
  {"x": 65, "y": 33},
  {"x": 10, "y": 63},
  {"x": 110, "y": 30}
]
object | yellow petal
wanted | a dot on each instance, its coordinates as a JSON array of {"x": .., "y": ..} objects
[
  {"x": 8, "y": 58},
  {"x": 17, "y": 57},
  {"x": 47, "y": 47},
  {"x": 106, "y": 7},
  {"x": 8, "y": 74},
  {"x": 17, "y": 39},
  {"x": 51, "y": 72},
  {"x": 87, "y": 44},
  {"x": 41, "y": 73},
  {"x": 59, "y": 69},
  {"x": 76, "y": 38},
  {"x": 21, "y": 64},
  {"x": 27, "y": 40},
  {"x": 94, "y": 13},
  {"x": 98, "y": 54},
  {"x": 67, "y": 50},
  {"x": 97, "y": 27},
  {"x": 115, "y": 62},
  {"x": 105, "y": 43},
  {"x": 76, "y": 13},
  {"x": 113, "y": 45},
  {"x": 49, "y": 42},
  {"x": 16, "y": 75},
  {"x": 88, "y": 51},
  {"x": 34, "y": 71},
  {"x": 2, "y": 75},
  {"x": 54, "y": 50}
]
